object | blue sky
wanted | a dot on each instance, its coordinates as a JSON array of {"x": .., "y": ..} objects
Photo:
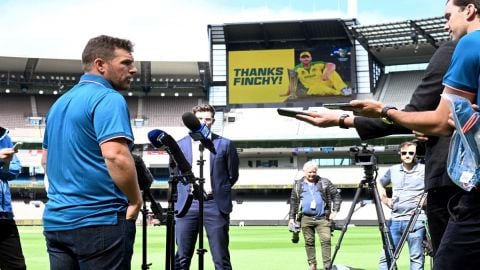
[{"x": 174, "y": 30}]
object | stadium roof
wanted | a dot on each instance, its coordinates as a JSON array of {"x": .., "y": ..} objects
[
  {"x": 273, "y": 34},
  {"x": 396, "y": 43},
  {"x": 17, "y": 73},
  {"x": 405, "y": 42}
]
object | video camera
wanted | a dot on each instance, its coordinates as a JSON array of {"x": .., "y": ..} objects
[
  {"x": 366, "y": 158},
  {"x": 334, "y": 226},
  {"x": 295, "y": 230},
  {"x": 363, "y": 156}
]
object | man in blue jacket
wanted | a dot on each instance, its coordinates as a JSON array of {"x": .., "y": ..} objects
[
  {"x": 11, "y": 255},
  {"x": 220, "y": 173}
]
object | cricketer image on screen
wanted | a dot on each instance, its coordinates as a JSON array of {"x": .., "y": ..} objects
[{"x": 322, "y": 74}]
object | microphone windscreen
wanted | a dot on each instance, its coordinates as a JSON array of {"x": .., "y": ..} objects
[
  {"x": 153, "y": 137},
  {"x": 165, "y": 140},
  {"x": 191, "y": 121},
  {"x": 144, "y": 176}
]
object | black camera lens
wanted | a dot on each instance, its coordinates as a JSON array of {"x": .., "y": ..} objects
[{"x": 295, "y": 237}]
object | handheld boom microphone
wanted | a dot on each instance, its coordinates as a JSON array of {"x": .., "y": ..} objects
[
  {"x": 199, "y": 132},
  {"x": 161, "y": 139}
]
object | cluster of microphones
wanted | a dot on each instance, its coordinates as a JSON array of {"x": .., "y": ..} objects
[{"x": 199, "y": 132}]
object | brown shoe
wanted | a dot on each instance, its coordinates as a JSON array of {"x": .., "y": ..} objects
[{"x": 313, "y": 266}]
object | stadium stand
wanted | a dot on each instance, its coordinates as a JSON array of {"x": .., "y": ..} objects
[
  {"x": 15, "y": 110},
  {"x": 399, "y": 86},
  {"x": 44, "y": 102},
  {"x": 262, "y": 191},
  {"x": 28, "y": 212},
  {"x": 166, "y": 111}
]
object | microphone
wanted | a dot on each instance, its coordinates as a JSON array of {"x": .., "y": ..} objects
[
  {"x": 161, "y": 139},
  {"x": 199, "y": 132},
  {"x": 144, "y": 176}
]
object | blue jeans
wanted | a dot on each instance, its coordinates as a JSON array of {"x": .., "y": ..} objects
[
  {"x": 95, "y": 247},
  {"x": 414, "y": 239}
]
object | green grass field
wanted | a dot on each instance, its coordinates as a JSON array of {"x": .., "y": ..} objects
[{"x": 251, "y": 248}]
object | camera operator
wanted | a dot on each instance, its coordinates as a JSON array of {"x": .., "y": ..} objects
[
  {"x": 407, "y": 181},
  {"x": 314, "y": 202}
]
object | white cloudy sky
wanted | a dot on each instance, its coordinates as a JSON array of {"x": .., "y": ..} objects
[{"x": 169, "y": 30}]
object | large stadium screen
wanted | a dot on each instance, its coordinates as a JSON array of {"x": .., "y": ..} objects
[{"x": 299, "y": 76}]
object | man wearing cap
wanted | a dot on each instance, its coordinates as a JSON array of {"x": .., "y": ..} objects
[{"x": 316, "y": 78}]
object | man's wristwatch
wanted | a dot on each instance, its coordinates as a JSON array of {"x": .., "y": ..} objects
[
  {"x": 384, "y": 114},
  {"x": 341, "y": 120}
]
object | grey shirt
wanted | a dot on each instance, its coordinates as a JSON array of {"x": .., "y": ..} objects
[{"x": 407, "y": 188}]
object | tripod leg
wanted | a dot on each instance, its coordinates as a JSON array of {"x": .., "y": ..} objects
[
  {"x": 347, "y": 221},
  {"x": 145, "y": 264},
  {"x": 408, "y": 230},
  {"x": 384, "y": 230}
]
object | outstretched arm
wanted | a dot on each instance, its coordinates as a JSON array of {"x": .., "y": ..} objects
[{"x": 434, "y": 122}]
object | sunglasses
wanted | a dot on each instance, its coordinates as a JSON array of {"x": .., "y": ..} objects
[{"x": 405, "y": 153}]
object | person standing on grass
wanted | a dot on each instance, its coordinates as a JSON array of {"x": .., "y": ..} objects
[
  {"x": 93, "y": 193},
  {"x": 407, "y": 180},
  {"x": 221, "y": 172},
  {"x": 11, "y": 255},
  {"x": 314, "y": 202}
]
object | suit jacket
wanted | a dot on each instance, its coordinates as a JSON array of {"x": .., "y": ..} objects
[
  {"x": 426, "y": 97},
  {"x": 223, "y": 172}
]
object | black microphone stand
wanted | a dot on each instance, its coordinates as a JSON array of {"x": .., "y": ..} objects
[
  {"x": 200, "y": 196},
  {"x": 170, "y": 235},
  {"x": 145, "y": 264}
]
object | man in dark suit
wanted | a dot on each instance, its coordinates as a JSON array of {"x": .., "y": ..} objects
[
  {"x": 220, "y": 173},
  {"x": 426, "y": 97}
]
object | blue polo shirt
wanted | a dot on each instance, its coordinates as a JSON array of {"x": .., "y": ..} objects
[
  {"x": 81, "y": 192},
  {"x": 464, "y": 71}
]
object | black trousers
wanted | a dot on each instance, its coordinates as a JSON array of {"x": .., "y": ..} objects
[
  {"x": 437, "y": 212},
  {"x": 11, "y": 255},
  {"x": 460, "y": 245}
]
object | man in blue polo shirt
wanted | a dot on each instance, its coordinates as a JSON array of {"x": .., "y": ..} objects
[{"x": 94, "y": 197}]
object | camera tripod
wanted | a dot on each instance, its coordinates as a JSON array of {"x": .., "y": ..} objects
[{"x": 369, "y": 182}]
